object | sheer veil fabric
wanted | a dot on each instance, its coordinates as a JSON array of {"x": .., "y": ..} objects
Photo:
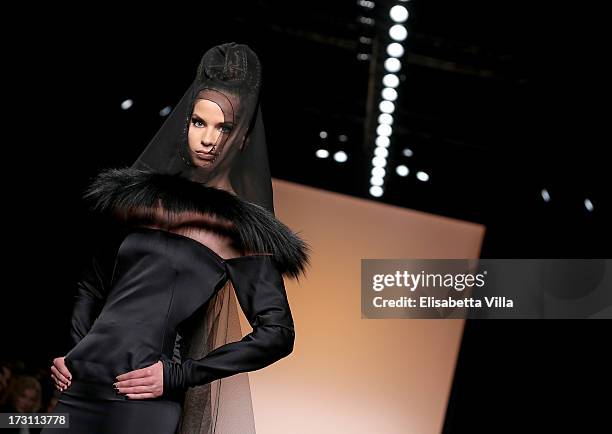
[{"x": 230, "y": 76}]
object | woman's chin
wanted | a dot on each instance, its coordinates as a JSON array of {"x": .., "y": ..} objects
[{"x": 202, "y": 163}]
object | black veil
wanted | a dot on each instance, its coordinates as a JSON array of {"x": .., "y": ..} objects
[
  {"x": 230, "y": 76},
  {"x": 233, "y": 71}
]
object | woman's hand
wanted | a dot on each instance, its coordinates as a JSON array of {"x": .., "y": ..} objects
[
  {"x": 60, "y": 374},
  {"x": 142, "y": 383}
]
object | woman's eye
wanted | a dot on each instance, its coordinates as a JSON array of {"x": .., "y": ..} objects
[
  {"x": 197, "y": 123},
  {"x": 225, "y": 129}
]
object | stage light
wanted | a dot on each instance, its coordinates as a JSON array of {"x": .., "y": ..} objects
[
  {"x": 390, "y": 80},
  {"x": 402, "y": 170},
  {"x": 588, "y": 205},
  {"x": 545, "y": 195},
  {"x": 322, "y": 153},
  {"x": 379, "y": 162},
  {"x": 340, "y": 156},
  {"x": 407, "y": 152},
  {"x": 165, "y": 111},
  {"x": 385, "y": 118},
  {"x": 389, "y": 94},
  {"x": 422, "y": 176},
  {"x": 127, "y": 104},
  {"x": 343, "y": 137},
  {"x": 378, "y": 171},
  {"x": 384, "y": 130},
  {"x": 392, "y": 64},
  {"x": 381, "y": 152},
  {"x": 398, "y": 33},
  {"x": 377, "y": 180},
  {"x": 386, "y": 107},
  {"x": 395, "y": 50},
  {"x": 376, "y": 191},
  {"x": 366, "y": 4},
  {"x": 382, "y": 141},
  {"x": 399, "y": 13},
  {"x": 323, "y": 134}
]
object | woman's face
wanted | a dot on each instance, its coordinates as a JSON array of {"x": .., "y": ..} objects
[
  {"x": 206, "y": 126},
  {"x": 26, "y": 400}
]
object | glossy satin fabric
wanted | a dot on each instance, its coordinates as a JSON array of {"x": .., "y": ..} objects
[
  {"x": 159, "y": 280},
  {"x": 94, "y": 416}
]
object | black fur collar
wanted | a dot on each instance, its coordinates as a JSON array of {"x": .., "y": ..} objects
[{"x": 257, "y": 230}]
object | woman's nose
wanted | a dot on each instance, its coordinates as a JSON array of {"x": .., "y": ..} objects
[{"x": 208, "y": 139}]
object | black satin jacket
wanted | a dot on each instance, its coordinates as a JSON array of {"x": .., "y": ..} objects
[{"x": 159, "y": 279}]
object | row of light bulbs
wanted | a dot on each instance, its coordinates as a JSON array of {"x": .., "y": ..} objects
[{"x": 398, "y": 33}]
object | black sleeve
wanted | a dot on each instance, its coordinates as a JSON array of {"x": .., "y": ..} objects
[
  {"x": 260, "y": 290},
  {"x": 93, "y": 285},
  {"x": 88, "y": 300}
]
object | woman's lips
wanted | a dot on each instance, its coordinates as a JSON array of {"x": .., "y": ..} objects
[{"x": 205, "y": 156}]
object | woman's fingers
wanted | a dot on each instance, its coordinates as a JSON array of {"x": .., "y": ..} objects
[
  {"x": 137, "y": 373},
  {"x": 60, "y": 364},
  {"x": 144, "y": 381},
  {"x": 59, "y": 376},
  {"x": 58, "y": 384}
]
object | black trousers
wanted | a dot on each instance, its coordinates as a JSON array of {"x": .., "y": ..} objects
[{"x": 98, "y": 416}]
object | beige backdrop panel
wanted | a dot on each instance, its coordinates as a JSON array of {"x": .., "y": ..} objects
[{"x": 355, "y": 375}]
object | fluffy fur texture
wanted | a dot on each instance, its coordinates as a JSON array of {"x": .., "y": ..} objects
[{"x": 129, "y": 191}]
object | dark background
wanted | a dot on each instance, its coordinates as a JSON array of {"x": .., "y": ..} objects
[{"x": 498, "y": 100}]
